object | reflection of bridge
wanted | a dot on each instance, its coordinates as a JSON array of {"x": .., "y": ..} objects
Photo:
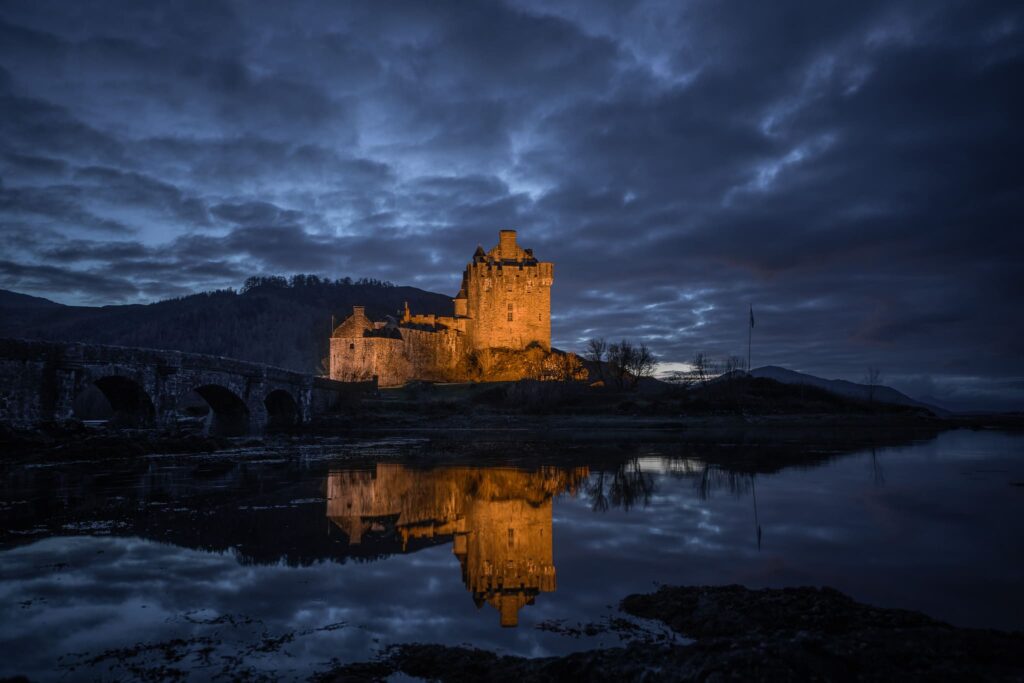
[
  {"x": 499, "y": 521},
  {"x": 40, "y": 381}
]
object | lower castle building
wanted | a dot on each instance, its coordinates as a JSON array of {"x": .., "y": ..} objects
[{"x": 500, "y": 328}]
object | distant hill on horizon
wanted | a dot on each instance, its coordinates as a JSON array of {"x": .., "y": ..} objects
[
  {"x": 271, "y": 320},
  {"x": 879, "y": 393},
  {"x": 281, "y": 322}
]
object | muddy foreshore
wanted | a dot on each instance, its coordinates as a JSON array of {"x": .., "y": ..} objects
[{"x": 735, "y": 633}]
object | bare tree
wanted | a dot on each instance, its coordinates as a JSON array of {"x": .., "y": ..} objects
[
  {"x": 627, "y": 363},
  {"x": 598, "y": 498},
  {"x": 872, "y": 379},
  {"x": 702, "y": 367},
  {"x": 620, "y": 358},
  {"x": 642, "y": 363},
  {"x": 597, "y": 348}
]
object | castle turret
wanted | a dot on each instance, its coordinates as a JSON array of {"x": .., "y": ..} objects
[{"x": 461, "y": 304}]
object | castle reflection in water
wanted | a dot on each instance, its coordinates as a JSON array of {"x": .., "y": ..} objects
[{"x": 498, "y": 519}]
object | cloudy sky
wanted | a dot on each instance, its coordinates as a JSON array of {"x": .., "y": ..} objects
[{"x": 852, "y": 169}]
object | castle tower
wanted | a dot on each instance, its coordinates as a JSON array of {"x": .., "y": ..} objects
[{"x": 507, "y": 295}]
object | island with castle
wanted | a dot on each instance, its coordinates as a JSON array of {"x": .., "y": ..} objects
[{"x": 499, "y": 330}]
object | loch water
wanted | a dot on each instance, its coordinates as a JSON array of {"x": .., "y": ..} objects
[{"x": 281, "y": 562}]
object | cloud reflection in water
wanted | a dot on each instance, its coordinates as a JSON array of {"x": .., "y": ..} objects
[{"x": 939, "y": 532}]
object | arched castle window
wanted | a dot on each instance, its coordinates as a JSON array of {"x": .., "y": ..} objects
[{"x": 510, "y": 312}]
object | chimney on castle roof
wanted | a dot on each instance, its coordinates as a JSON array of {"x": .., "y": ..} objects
[{"x": 507, "y": 243}]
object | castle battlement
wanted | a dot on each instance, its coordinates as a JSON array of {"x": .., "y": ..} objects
[
  {"x": 504, "y": 303},
  {"x": 512, "y": 269}
]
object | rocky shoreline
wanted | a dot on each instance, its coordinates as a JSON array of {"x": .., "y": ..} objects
[{"x": 789, "y": 634}]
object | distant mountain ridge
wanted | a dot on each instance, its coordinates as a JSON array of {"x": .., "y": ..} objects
[
  {"x": 864, "y": 392},
  {"x": 271, "y": 320},
  {"x": 13, "y": 301}
]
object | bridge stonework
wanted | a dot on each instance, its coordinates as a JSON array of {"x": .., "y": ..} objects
[{"x": 39, "y": 381}]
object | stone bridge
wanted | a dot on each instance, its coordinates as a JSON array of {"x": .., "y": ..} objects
[{"x": 40, "y": 381}]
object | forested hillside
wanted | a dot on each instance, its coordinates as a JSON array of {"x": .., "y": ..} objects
[{"x": 273, "y": 320}]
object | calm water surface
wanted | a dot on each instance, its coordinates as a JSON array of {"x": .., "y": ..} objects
[{"x": 279, "y": 564}]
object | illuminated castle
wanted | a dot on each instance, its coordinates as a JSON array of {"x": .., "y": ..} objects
[
  {"x": 499, "y": 521},
  {"x": 502, "y": 309}
]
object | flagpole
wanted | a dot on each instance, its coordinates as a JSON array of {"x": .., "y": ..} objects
[{"x": 750, "y": 334}]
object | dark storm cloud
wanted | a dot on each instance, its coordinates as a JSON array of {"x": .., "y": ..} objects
[
  {"x": 851, "y": 169},
  {"x": 254, "y": 213},
  {"x": 58, "y": 204},
  {"x": 27, "y": 166},
  {"x": 135, "y": 189},
  {"x": 83, "y": 283},
  {"x": 34, "y": 126}
]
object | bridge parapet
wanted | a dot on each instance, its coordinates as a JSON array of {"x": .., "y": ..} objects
[{"x": 39, "y": 381}]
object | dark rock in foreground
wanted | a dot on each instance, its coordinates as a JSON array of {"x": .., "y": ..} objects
[{"x": 791, "y": 634}]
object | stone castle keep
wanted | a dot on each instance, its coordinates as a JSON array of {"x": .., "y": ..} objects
[{"x": 500, "y": 328}]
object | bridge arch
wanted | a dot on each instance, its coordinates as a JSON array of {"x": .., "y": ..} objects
[
  {"x": 282, "y": 409},
  {"x": 127, "y": 403},
  {"x": 229, "y": 415}
]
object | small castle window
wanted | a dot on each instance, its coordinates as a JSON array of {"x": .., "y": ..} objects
[
  {"x": 351, "y": 347},
  {"x": 510, "y": 312}
]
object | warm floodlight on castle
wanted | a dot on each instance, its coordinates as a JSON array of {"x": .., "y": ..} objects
[{"x": 502, "y": 312}]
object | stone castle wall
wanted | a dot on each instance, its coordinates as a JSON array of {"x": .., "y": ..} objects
[
  {"x": 355, "y": 359},
  {"x": 419, "y": 354},
  {"x": 509, "y": 305}
]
